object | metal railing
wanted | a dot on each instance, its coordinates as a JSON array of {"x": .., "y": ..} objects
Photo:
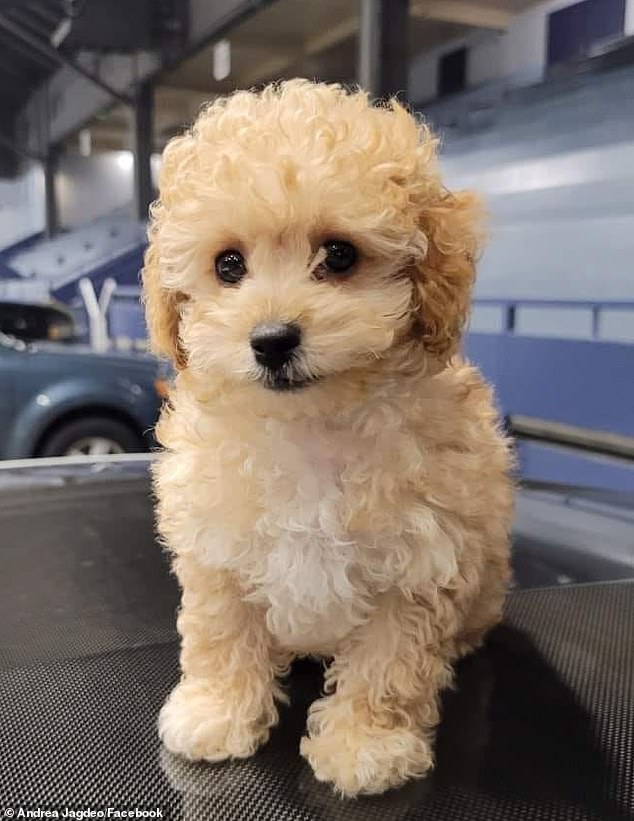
[{"x": 595, "y": 307}]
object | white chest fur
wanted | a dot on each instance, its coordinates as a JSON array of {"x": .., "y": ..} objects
[
  {"x": 277, "y": 512},
  {"x": 308, "y": 567}
]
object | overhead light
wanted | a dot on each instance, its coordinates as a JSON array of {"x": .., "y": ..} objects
[
  {"x": 125, "y": 161},
  {"x": 222, "y": 60},
  {"x": 61, "y": 32},
  {"x": 85, "y": 142}
]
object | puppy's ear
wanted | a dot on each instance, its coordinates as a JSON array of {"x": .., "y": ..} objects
[
  {"x": 443, "y": 279},
  {"x": 162, "y": 304},
  {"x": 161, "y": 309}
]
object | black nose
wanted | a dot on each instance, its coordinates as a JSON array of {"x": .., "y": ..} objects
[{"x": 273, "y": 343}]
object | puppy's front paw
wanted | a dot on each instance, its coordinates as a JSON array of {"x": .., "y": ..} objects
[
  {"x": 358, "y": 758},
  {"x": 198, "y": 723}
]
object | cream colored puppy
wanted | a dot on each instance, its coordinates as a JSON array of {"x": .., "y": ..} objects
[{"x": 333, "y": 481}]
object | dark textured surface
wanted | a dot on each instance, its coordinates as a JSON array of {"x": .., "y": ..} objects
[
  {"x": 540, "y": 726},
  {"x": 80, "y": 573}
]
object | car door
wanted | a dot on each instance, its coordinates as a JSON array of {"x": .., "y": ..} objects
[{"x": 11, "y": 359}]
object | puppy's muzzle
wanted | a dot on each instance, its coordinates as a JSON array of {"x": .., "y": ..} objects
[{"x": 274, "y": 343}]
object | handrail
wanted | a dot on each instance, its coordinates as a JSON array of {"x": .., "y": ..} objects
[
  {"x": 627, "y": 304},
  {"x": 511, "y": 306},
  {"x": 128, "y": 292},
  {"x": 564, "y": 434}
]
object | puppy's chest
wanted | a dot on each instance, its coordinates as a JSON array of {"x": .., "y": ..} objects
[
  {"x": 299, "y": 479},
  {"x": 303, "y": 562}
]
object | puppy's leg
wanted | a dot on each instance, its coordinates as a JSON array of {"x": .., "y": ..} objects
[
  {"x": 224, "y": 704},
  {"x": 485, "y": 611},
  {"x": 376, "y": 730}
]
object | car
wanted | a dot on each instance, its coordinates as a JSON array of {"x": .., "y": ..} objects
[
  {"x": 67, "y": 400},
  {"x": 34, "y": 321}
]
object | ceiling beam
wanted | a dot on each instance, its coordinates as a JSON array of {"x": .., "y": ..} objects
[
  {"x": 462, "y": 12},
  {"x": 79, "y": 102},
  {"x": 9, "y": 43},
  {"x": 12, "y": 71},
  {"x": 270, "y": 68},
  {"x": 7, "y": 142},
  {"x": 44, "y": 49},
  {"x": 331, "y": 37},
  {"x": 313, "y": 46}
]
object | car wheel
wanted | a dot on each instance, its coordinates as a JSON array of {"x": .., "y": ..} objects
[{"x": 92, "y": 436}]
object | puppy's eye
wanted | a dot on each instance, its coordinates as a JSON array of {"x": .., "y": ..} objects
[
  {"x": 340, "y": 257},
  {"x": 230, "y": 266}
]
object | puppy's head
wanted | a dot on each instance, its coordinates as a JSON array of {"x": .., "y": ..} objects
[{"x": 302, "y": 236}]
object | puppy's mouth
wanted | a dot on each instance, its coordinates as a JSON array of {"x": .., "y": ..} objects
[
  {"x": 283, "y": 381},
  {"x": 292, "y": 375}
]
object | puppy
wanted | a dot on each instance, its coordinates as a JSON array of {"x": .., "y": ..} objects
[{"x": 333, "y": 481}]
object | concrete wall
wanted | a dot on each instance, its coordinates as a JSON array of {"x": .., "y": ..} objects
[
  {"x": 87, "y": 188},
  {"x": 524, "y": 44},
  {"x": 557, "y": 176},
  {"x": 21, "y": 206},
  {"x": 517, "y": 56},
  {"x": 484, "y": 63}
]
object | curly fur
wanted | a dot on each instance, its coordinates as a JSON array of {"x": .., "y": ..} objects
[{"x": 365, "y": 518}]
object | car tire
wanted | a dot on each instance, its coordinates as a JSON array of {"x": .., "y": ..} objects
[{"x": 106, "y": 435}]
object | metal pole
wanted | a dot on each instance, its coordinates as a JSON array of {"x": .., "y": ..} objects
[
  {"x": 97, "y": 310},
  {"x": 369, "y": 27},
  {"x": 383, "y": 61},
  {"x": 87, "y": 291},
  {"x": 143, "y": 141},
  {"x": 51, "y": 223}
]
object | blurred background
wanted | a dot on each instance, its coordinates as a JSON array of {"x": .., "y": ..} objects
[{"x": 534, "y": 102}]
